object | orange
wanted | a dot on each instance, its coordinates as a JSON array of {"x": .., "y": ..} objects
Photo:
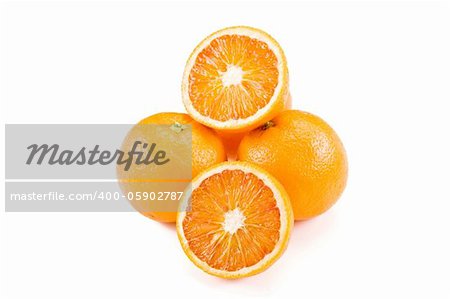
[
  {"x": 235, "y": 80},
  {"x": 237, "y": 222},
  {"x": 207, "y": 150},
  {"x": 305, "y": 154}
]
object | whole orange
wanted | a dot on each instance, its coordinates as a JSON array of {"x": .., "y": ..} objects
[
  {"x": 305, "y": 154},
  {"x": 207, "y": 150}
]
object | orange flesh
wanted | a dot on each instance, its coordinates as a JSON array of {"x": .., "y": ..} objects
[
  {"x": 223, "y": 100},
  {"x": 205, "y": 227}
]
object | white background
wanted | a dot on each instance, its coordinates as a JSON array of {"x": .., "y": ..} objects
[{"x": 378, "y": 72}]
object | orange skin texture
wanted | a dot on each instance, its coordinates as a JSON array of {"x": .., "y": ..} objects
[
  {"x": 305, "y": 154},
  {"x": 207, "y": 150}
]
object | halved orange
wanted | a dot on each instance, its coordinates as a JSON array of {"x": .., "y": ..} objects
[
  {"x": 237, "y": 221},
  {"x": 236, "y": 80}
]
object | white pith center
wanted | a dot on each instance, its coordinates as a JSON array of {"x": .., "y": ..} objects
[
  {"x": 232, "y": 76},
  {"x": 234, "y": 220}
]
